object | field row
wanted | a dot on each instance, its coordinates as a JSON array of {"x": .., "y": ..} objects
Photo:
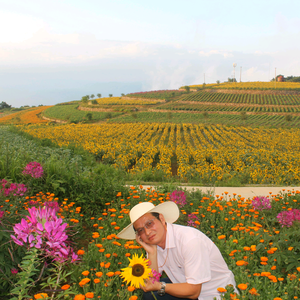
[
  {"x": 256, "y": 85},
  {"x": 237, "y": 119},
  {"x": 208, "y": 153},
  {"x": 126, "y": 101},
  {"x": 260, "y": 99},
  {"x": 161, "y": 94},
  {"x": 229, "y": 108}
]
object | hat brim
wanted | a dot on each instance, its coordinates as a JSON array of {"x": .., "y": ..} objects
[{"x": 168, "y": 209}]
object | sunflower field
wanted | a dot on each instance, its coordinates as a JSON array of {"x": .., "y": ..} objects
[{"x": 189, "y": 152}]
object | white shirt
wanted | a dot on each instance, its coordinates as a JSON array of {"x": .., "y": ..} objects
[{"x": 192, "y": 257}]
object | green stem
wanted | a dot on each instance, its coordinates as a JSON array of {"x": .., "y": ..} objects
[
  {"x": 57, "y": 280},
  {"x": 153, "y": 295}
]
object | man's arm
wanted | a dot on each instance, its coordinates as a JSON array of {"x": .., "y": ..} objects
[
  {"x": 151, "y": 253},
  {"x": 180, "y": 290}
]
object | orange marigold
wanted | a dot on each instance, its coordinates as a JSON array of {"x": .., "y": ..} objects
[
  {"x": 99, "y": 274},
  {"x": 110, "y": 274},
  {"x": 41, "y": 296},
  {"x": 253, "y": 291},
  {"x": 79, "y": 297},
  {"x": 89, "y": 295},
  {"x": 242, "y": 286},
  {"x": 85, "y": 273},
  {"x": 65, "y": 287},
  {"x": 84, "y": 281}
]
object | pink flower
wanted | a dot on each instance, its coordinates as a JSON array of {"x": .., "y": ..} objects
[
  {"x": 155, "y": 276},
  {"x": 44, "y": 230},
  {"x": 178, "y": 197},
  {"x": 260, "y": 203},
  {"x": 34, "y": 169},
  {"x": 192, "y": 218},
  {"x": 287, "y": 218},
  {"x": 15, "y": 189},
  {"x": 14, "y": 271}
]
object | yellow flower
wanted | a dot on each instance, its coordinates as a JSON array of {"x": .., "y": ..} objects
[{"x": 136, "y": 272}]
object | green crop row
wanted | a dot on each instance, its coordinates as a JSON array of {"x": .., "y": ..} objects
[
  {"x": 260, "y": 99},
  {"x": 72, "y": 114}
]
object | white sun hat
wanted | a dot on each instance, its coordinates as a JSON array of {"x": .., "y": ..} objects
[{"x": 168, "y": 209}]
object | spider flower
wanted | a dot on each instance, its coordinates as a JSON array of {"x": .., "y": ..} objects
[
  {"x": 261, "y": 203},
  {"x": 44, "y": 230},
  {"x": 287, "y": 218},
  {"x": 137, "y": 271},
  {"x": 178, "y": 197},
  {"x": 34, "y": 169}
]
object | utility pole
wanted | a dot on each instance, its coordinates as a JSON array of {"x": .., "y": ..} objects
[
  {"x": 240, "y": 74},
  {"x": 204, "y": 77},
  {"x": 275, "y": 78}
]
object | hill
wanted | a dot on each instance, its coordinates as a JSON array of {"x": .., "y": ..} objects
[{"x": 247, "y": 104}]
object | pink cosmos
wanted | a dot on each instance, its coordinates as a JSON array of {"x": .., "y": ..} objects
[
  {"x": 34, "y": 169},
  {"x": 178, "y": 197},
  {"x": 261, "y": 203}
]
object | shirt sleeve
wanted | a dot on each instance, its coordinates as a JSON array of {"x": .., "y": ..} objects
[{"x": 196, "y": 261}]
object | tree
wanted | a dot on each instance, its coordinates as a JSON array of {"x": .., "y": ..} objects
[
  {"x": 187, "y": 88},
  {"x": 99, "y": 95},
  {"x": 84, "y": 99},
  {"x": 4, "y": 105},
  {"x": 122, "y": 94},
  {"x": 218, "y": 81},
  {"x": 110, "y": 95},
  {"x": 92, "y": 96},
  {"x": 231, "y": 79},
  {"x": 88, "y": 97}
]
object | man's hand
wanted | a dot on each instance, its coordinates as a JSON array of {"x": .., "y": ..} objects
[
  {"x": 150, "y": 249},
  {"x": 149, "y": 286}
]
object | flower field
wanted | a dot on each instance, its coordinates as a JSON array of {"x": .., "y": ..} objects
[
  {"x": 257, "y": 99},
  {"x": 25, "y": 117},
  {"x": 256, "y": 85},
  {"x": 204, "y": 154},
  {"x": 258, "y": 238}
]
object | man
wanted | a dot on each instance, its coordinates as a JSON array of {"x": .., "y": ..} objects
[{"x": 193, "y": 263}]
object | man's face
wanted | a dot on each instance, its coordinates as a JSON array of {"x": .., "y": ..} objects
[{"x": 155, "y": 234}]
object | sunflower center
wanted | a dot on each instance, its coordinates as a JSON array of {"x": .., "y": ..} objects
[{"x": 138, "y": 270}]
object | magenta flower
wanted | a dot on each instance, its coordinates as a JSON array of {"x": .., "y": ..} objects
[
  {"x": 1, "y": 214},
  {"x": 14, "y": 271},
  {"x": 192, "y": 218},
  {"x": 45, "y": 231},
  {"x": 178, "y": 197},
  {"x": 52, "y": 204},
  {"x": 34, "y": 169},
  {"x": 261, "y": 203},
  {"x": 15, "y": 189},
  {"x": 155, "y": 276},
  {"x": 287, "y": 218}
]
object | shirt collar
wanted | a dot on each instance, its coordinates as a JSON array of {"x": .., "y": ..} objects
[{"x": 170, "y": 241}]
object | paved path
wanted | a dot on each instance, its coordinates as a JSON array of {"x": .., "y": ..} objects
[{"x": 246, "y": 192}]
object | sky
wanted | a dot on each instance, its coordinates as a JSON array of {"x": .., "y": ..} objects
[{"x": 60, "y": 50}]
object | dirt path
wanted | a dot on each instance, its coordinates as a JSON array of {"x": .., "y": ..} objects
[{"x": 246, "y": 192}]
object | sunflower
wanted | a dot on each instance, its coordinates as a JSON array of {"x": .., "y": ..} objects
[{"x": 137, "y": 271}]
